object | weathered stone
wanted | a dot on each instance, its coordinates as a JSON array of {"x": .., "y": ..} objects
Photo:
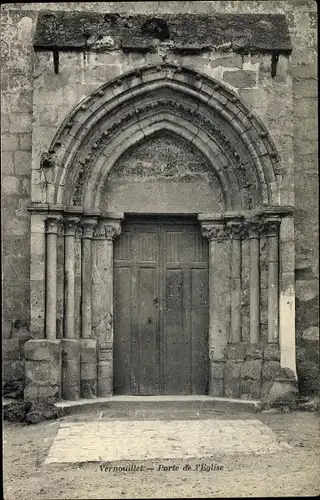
[
  {"x": 22, "y": 161},
  {"x": 216, "y": 388},
  {"x": 236, "y": 352},
  {"x": 88, "y": 351},
  {"x": 217, "y": 369},
  {"x": 280, "y": 393},
  {"x": 232, "y": 388},
  {"x": 254, "y": 351},
  {"x": 9, "y": 142},
  {"x": 250, "y": 389},
  {"x": 10, "y": 185},
  {"x": 88, "y": 388},
  {"x": 43, "y": 350},
  {"x": 42, "y": 373},
  {"x": 271, "y": 352},
  {"x": 240, "y": 79},
  {"x": 34, "y": 417},
  {"x": 251, "y": 369},
  {"x": 7, "y": 166},
  {"x": 271, "y": 369},
  {"x": 232, "y": 370}
]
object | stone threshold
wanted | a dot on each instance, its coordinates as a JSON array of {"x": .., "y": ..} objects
[{"x": 158, "y": 402}]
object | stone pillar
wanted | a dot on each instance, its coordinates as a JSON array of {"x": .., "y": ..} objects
[
  {"x": 70, "y": 344},
  {"x": 52, "y": 225},
  {"x": 70, "y": 224},
  {"x": 235, "y": 231},
  {"x": 287, "y": 335},
  {"x": 107, "y": 230},
  {"x": 219, "y": 300},
  {"x": 273, "y": 279},
  {"x": 88, "y": 224},
  {"x": 254, "y": 247}
]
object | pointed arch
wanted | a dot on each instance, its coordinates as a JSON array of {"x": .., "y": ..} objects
[{"x": 167, "y": 97}]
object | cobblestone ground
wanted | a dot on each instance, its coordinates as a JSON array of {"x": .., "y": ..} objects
[{"x": 230, "y": 455}]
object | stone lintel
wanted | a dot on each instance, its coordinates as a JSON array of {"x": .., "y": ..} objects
[{"x": 60, "y": 30}]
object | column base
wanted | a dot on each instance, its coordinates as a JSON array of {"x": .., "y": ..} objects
[
  {"x": 42, "y": 370},
  {"x": 70, "y": 369},
  {"x": 88, "y": 370}
]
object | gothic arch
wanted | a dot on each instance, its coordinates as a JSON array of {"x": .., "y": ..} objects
[{"x": 167, "y": 97}]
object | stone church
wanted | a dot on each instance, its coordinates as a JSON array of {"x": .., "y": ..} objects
[{"x": 159, "y": 199}]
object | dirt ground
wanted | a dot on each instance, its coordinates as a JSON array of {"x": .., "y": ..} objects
[{"x": 294, "y": 472}]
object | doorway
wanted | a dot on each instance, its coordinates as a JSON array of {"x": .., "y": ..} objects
[{"x": 160, "y": 307}]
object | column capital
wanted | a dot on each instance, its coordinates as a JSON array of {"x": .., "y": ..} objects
[
  {"x": 214, "y": 231},
  {"x": 70, "y": 224},
  {"x": 253, "y": 228},
  {"x": 88, "y": 224},
  {"x": 107, "y": 230},
  {"x": 53, "y": 223},
  {"x": 272, "y": 225},
  {"x": 235, "y": 229}
]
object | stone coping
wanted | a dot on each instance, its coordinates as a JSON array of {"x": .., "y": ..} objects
[{"x": 243, "y": 33}]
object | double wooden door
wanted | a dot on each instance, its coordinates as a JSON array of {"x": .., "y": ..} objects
[{"x": 160, "y": 308}]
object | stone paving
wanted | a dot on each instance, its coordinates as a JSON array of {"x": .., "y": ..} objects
[{"x": 111, "y": 441}]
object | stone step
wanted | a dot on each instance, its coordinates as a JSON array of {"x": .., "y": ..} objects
[{"x": 124, "y": 403}]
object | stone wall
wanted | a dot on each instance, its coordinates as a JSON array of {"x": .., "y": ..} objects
[{"x": 79, "y": 74}]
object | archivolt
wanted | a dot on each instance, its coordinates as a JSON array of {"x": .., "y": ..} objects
[{"x": 123, "y": 112}]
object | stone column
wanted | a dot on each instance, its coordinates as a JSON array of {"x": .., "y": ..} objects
[
  {"x": 70, "y": 225},
  {"x": 254, "y": 247},
  {"x": 219, "y": 300},
  {"x": 70, "y": 344},
  {"x": 52, "y": 226},
  {"x": 235, "y": 232},
  {"x": 273, "y": 279},
  {"x": 107, "y": 230},
  {"x": 88, "y": 224}
]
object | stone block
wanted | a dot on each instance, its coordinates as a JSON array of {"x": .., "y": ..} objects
[
  {"x": 254, "y": 351},
  {"x": 88, "y": 388},
  {"x": 232, "y": 370},
  {"x": 250, "y": 389},
  {"x": 13, "y": 348},
  {"x": 270, "y": 370},
  {"x": 71, "y": 393},
  {"x": 31, "y": 392},
  {"x": 10, "y": 185},
  {"x": 240, "y": 79},
  {"x": 88, "y": 351},
  {"x": 7, "y": 168},
  {"x": 70, "y": 372},
  {"x": 70, "y": 349},
  {"x": 25, "y": 143},
  {"x": 217, "y": 369},
  {"x": 251, "y": 369},
  {"x": 42, "y": 373},
  {"x": 9, "y": 142},
  {"x": 232, "y": 388},
  {"x": 12, "y": 370},
  {"x": 49, "y": 394},
  {"x": 229, "y": 61},
  {"x": 21, "y": 122},
  {"x": 43, "y": 350},
  {"x": 280, "y": 393},
  {"x": 22, "y": 163},
  {"x": 272, "y": 352},
  {"x": 216, "y": 387},
  {"x": 236, "y": 352},
  {"x": 88, "y": 371},
  {"x": 105, "y": 379}
]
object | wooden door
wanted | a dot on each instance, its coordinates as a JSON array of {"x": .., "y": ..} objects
[{"x": 161, "y": 308}]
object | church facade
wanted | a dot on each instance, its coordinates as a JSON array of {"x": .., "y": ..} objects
[{"x": 166, "y": 217}]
